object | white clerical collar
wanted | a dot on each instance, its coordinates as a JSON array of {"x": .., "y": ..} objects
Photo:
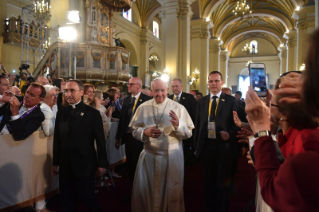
[
  {"x": 218, "y": 95},
  {"x": 137, "y": 95},
  {"x": 74, "y": 105},
  {"x": 179, "y": 95}
]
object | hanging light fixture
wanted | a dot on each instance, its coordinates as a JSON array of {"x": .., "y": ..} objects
[
  {"x": 153, "y": 58},
  {"x": 242, "y": 9},
  {"x": 247, "y": 48}
]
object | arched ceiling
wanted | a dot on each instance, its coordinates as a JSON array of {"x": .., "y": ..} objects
[
  {"x": 270, "y": 19},
  {"x": 259, "y": 23},
  {"x": 251, "y": 36}
]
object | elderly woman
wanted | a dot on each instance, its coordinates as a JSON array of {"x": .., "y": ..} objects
[
  {"x": 47, "y": 109},
  {"x": 292, "y": 186}
]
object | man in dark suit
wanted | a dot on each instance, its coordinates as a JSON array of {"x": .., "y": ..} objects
[
  {"x": 189, "y": 102},
  {"x": 241, "y": 107},
  {"x": 76, "y": 128},
  {"x": 216, "y": 147},
  {"x": 133, "y": 147},
  {"x": 22, "y": 120}
]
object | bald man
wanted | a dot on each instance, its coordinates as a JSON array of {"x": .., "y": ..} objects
[{"x": 133, "y": 147}]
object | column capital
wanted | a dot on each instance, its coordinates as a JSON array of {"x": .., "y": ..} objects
[
  {"x": 283, "y": 51},
  {"x": 224, "y": 54},
  {"x": 179, "y": 7},
  {"x": 292, "y": 38},
  {"x": 200, "y": 29},
  {"x": 214, "y": 45}
]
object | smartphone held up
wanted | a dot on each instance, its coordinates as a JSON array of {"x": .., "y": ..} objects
[{"x": 258, "y": 81}]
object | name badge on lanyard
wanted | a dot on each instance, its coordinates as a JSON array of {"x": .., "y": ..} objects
[
  {"x": 211, "y": 129},
  {"x": 212, "y": 124}
]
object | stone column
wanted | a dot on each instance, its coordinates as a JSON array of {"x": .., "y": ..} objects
[
  {"x": 292, "y": 50},
  {"x": 3, "y": 15},
  {"x": 175, "y": 15},
  {"x": 283, "y": 59},
  {"x": 317, "y": 13},
  {"x": 213, "y": 54},
  {"x": 301, "y": 26},
  {"x": 144, "y": 53},
  {"x": 200, "y": 52},
  {"x": 224, "y": 64}
]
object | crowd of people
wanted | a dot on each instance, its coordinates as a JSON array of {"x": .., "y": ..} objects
[{"x": 162, "y": 133}]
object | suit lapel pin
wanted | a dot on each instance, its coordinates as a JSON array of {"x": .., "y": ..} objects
[
  {"x": 223, "y": 100},
  {"x": 81, "y": 114},
  {"x": 141, "y": 100},
  {"x": 183, "y": 97}
]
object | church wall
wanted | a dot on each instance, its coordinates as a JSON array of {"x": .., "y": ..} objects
[
  {"x": 265, "y": 48},
  {"x": 236, "y": 65}
]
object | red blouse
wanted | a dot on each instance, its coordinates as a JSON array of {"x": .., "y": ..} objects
[
  {"x": 295, "y": 141},
  {"x": 292, "y": 186}
]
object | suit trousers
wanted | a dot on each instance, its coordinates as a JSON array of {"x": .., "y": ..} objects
[
  {"x": 133, "y": 149},
  {"x": 72, "y": 188},
  {"x": 217, "y": 168}
]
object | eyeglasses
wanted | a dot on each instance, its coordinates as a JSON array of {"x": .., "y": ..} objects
[
  {"x": 275, "y": 105},
  {"x": 211, "y": 81},
  {"x": 131, "y": 84},
  {"x": 70, "y": 91},
  {"x": 53, "y": 95}
]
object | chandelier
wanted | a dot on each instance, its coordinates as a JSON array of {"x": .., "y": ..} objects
[
  {"x": 246, "y": 48},
  {"x": 242, "y": 8},
  {"x": 153, "y": 58},
  {"x": 42, "y": 11}
]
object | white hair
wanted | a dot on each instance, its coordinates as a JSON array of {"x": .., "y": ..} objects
[
  {"x": 160, "y": 79},
  {"x": 48, "y": 88}
]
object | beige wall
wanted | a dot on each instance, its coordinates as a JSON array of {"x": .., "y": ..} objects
[{"x": 265, "y": 48}]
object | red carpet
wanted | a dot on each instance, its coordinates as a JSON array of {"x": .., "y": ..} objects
[{"x": 116, "y": 199}]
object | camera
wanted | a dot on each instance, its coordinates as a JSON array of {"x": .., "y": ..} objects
[{"x": 24, "y": 67}]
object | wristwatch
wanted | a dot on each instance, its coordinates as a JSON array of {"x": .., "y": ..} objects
[{"x": 262, "y": 133}]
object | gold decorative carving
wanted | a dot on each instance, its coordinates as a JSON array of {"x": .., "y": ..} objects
[
  {"x": 112, "y": 59},
  {"x": 124, "y": 59},
  {"x": 16, "y": 39},
  {"x": 80, "y": 56},
  {"x": 97, "y": 57}
]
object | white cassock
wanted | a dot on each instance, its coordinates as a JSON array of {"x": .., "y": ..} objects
[{"x": 159, "y": 176}]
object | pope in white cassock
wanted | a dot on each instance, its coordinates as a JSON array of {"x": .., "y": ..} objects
[{"x": 161, "y": 124}]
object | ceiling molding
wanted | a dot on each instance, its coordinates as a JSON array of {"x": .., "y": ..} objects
[
  {"x": 285, "y": 21},
  {"x": 254, "y": 29}
]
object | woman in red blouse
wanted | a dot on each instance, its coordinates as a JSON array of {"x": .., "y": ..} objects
[{"x": 294, "y": 185}]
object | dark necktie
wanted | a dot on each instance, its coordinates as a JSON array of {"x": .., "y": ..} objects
[{"x": 212, "y": 111}]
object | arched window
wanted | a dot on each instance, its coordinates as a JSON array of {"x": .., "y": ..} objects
[
  {"x": 128, "y": 15},
  {"x": 253, "y": 47},
  {"x": 155, "y": 29}
]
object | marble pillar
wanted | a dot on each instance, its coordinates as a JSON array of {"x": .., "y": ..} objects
[
  {"x": 223, "y": 67},
  {"x": 283, "y": 59},
  {"x": 144, "y": 53},
  {"x": 175, "y": 15},
  {"x": 200, "y": 36}
]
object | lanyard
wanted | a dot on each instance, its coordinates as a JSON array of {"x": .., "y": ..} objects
[
  {"x": 210, "y": 107},
  {"x": 135, "y": 104}
]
